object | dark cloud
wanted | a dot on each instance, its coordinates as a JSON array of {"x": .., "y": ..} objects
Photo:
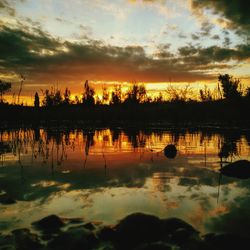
[
  {"x": 195, "y": 37},
  {"x": 41, "y": 56},
  {"x": 213, "y": 54},
  {"x": 236, "y": 220},
  {"x": 5, "y": 6},
  {"x": 227, "y": 41},
  {"x": 149, "y": 1},
  {"x": 182, "y": 36},
  {"x": 59, "y": 19},
  {"x": 206, "y": 28},
  {"x": 162, "y": 51},
  {"x": 215, "y": 37},
  {"x": 237, "y": 12},
  {"x": 205, "y": 31}
]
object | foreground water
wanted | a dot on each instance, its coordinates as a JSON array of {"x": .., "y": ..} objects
[{"x": 103, "y": 175}]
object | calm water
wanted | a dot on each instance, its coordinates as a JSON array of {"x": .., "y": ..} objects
[{"x": 104, "y": 175}]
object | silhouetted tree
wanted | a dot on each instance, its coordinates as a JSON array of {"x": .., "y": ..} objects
[
  {"x": 88, "y": 94},
  {"x": 159, "y": 98},
  {"x": 179, "y": 94},
  {"x": 21, "y": 87},
  {"x": 205, "y": 95},
  {"x": 105, "y": 95},
  {"x": 4, "y": 87},
  {"x": 66, "y": 96},
  {"x": 230, "y": 86},
  {"x": 57, "y": 100},
  {"x": 52, "y": 98},
  {"x": 36, "y": 101},
  {"x": 116, "y": 96},
  {"x": 136, "y": 94},
  {"x": 248, "y": 93},
  {"x": 77, "y": 100}
]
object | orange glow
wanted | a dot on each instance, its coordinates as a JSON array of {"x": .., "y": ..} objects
[{"x": 153, "y": 90}]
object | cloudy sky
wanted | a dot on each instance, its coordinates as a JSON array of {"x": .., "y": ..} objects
[{"x": 63, "y": 43}]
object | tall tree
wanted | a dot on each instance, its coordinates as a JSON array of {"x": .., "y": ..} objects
[
  {"x": 136, "y": 94},
  {"x": 116, "y": 95},
  {"x": 66, "y": 96},
  {"x": 88, "y": 94},
  {"x": 105, "y": 95},
  {"x": 230, "y": 86},
  {"x": 21, "y": 87},
  {"x": 36, "y": 101}
]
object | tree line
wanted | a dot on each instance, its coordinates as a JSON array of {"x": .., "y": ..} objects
[{"x": 229, "y": 88}]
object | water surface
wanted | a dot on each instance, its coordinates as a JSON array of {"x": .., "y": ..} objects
[{"x": 105, "y": 174}]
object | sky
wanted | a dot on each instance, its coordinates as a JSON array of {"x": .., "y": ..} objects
[{"x": 62, "y": 43}]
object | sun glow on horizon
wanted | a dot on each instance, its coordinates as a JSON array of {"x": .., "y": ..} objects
[{"x": 153, "y": 90}]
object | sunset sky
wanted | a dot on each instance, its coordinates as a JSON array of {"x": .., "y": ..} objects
[{"x": 62, "y": 43}]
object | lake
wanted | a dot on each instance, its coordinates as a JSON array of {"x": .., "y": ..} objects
[{"x": 104, "y": 174}]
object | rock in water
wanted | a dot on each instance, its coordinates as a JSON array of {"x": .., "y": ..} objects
[
  {"x": 5, "y": 199},
  {"x": 155, "y": 246},
  {"x": 136, "y": 229},
  {"x": 226, "y": 241},
  {"x": 238, "y": 169},
  {"x": 49, "y": 223},
  {"x": 170, "y": 225},
  {"x": 170, "y": 151},
  {"x": 74, "y": 239},
  {"x": 24, "y": 239}
]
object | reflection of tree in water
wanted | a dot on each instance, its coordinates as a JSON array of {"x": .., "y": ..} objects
[
  {"x": 38, "y": 141},
  {"x": 50, "y": 142},
  {"x": 4, "y": 149},
  {"x": 136, "y": 137},
  {"x": 89, "y": 141},
  {"x": 228, "y": 145},
  {"x": 115, "y": 134}
]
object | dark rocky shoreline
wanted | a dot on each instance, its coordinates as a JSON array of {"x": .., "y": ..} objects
[{"x": 136, "y": 232}]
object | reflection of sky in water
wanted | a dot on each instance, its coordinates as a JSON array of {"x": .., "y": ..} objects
[{"x": 104, "y": 175}]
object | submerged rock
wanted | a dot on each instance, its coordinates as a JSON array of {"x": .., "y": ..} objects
[
  {"x": 7, "y": 242},
  {"x": 170, "y": 225},
  {"x": 170, "y": 151},
  {"x": 136, "y": 229},
  {"x": 74, "y": 220},
  {"x": 155, "y": 246},
  {"x": 89, "y": 226},
  {"x": 49, "y": 223},
  {"x": 141, "y": 229},
  {"x": 5, "y": 199},
  {"x": 25, "y": 240},
  {"x": 226, "y": 241},
  {"x": 74, "y": 239},
  {"x": 238, "y": 169},
  {"x": 106, "y": 234}
]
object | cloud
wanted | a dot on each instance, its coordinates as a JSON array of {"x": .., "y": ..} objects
[
  {"x": 41, "y": 56},
  {"x": 162, "y": 51},
  {"x": 195, "y": 37},
  {"x": 5, "y": 6},
  {"x": 182, "y": 36},
  {"x": 148, "y": 1},
  {"x": 193, "y": 55},
  {"x": 236, "y": 12},
  {"x": 227, "y": 42},
  {"x": 206, "y": 28},
  {"x": 215, "y": 37},
  {"x": 236, "y": 220}
]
